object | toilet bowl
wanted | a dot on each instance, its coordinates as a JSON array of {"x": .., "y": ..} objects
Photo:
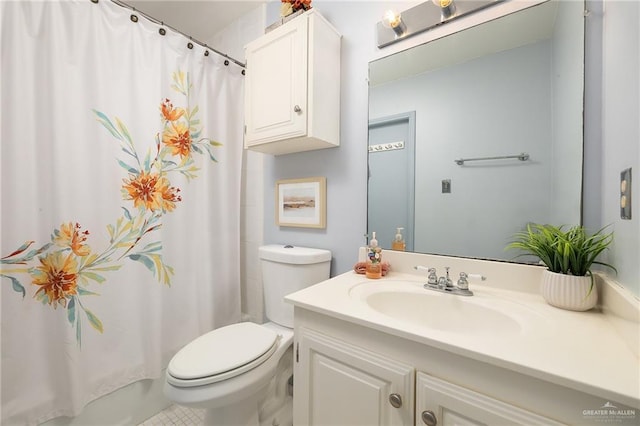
[
  {"x": 240, "y": 373},
  {"x": 229, "y": 389}
]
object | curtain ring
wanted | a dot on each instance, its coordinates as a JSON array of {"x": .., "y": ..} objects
[
  {"x": 134, "y": 18},
  {"x": 206, "y": 53},
  {"x": 243, "y": 72},
  {"x": 162, "y": 31},
  {"x": 190, "y": 45},
  {"x": 226, "y": 62},
  {"x": 95, "y": 1}
]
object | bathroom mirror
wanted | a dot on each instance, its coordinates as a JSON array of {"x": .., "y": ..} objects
[{"x": 511, "y": 87}]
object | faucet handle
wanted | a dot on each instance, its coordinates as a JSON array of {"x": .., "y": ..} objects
[
  {"x": 463, "y": 284},
  {"x": 477, "y": 277},
  {"x": 432, "y": 278}
]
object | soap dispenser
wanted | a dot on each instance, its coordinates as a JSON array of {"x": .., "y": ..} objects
[
  {"x": 398, "y": 243},
  {"x": 374, "y": 259}
]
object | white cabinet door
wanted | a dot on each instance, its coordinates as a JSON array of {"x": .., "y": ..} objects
[
  {"x": 337, "y": 383},
  {"x": 292, "y": 87},
  {"x": 276, "y": 84},
  {"x": 444, "y": 404}
]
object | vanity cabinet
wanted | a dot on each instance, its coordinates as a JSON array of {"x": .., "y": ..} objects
[
  {"x": 337, "y": 383},
  {"x": 292, "y": 87},
  {"x": 348, "y": 373}
]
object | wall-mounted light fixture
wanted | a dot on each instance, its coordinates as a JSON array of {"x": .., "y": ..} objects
[{"x": 395, "y": 26}]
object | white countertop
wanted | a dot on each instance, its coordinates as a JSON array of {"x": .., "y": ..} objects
[{"x": 579, "y": 350}]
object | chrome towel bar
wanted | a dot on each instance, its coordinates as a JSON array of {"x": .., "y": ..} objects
[{"x": 522, "y": 157}]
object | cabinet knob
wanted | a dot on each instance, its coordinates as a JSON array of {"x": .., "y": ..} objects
[
  {"x": 429, "y": 418},
  {"x": 395, "y": 400},
  {"x": 297, "y": 108}
]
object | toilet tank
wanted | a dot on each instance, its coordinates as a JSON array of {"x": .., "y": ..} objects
[{"x": 286, "y": 269}]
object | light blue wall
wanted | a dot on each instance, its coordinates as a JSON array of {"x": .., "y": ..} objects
[
  {"x": 345, "y": 167},
  {"x": 617, "y": 30},
  {"x": 607, "y": 151}
]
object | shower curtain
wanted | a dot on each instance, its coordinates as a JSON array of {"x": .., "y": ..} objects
[{"x": 120, "y": 186}]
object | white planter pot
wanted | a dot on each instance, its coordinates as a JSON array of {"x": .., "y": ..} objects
[{"x": 568, "y": 291}]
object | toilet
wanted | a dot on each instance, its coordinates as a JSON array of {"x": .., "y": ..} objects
[{"x": 241, "y": 373}]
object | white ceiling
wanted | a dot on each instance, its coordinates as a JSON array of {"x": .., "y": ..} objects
[{"x": 200, "y": 19}]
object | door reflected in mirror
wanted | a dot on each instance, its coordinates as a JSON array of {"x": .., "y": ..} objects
[{"x": 506, "y": 87}]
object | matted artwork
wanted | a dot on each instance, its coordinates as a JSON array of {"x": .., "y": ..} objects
[{"x": 301, "y": 202}]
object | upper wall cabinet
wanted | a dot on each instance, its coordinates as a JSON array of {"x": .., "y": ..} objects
[{"x": 292, "y": 87}]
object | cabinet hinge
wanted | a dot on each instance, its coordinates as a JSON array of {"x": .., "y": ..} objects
[{"x": 297, "y": 352}]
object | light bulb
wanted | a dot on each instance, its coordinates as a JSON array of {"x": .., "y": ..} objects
[
  {"x": 447, "y": 8},
  {"x": 393, "y": 20}
]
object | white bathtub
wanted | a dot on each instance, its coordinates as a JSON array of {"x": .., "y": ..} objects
[{"x": 130, "y": 405}]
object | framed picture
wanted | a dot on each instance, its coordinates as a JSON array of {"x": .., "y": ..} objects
[{"x": 302, "y": 202}]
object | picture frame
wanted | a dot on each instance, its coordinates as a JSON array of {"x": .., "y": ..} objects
[{"x": 301, "y": 202}]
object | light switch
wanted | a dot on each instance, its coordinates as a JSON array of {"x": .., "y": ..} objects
[
  {"x": 625, "y": 194},
  {"x": 446, "y": 186}
]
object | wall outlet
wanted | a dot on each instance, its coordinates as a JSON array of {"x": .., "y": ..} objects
[{"x": 625, "y": 194}]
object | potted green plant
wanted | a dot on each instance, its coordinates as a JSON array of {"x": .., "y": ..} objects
[{"x": 568, "y": 282}]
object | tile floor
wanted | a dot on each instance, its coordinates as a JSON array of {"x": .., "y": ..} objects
[{"x": 176, "y": 415}]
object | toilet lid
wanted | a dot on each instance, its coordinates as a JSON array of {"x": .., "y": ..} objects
[{"x": 223, "y": 353}]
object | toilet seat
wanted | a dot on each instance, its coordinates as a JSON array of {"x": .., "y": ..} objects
[{"x": 222, "y": 354}]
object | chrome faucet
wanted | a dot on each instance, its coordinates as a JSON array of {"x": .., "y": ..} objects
[{"x": 444, "y": 283}]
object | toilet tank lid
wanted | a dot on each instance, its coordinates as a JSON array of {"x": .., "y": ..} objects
[{"x": 294, "y": 255}]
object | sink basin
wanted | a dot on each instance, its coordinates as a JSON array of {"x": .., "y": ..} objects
[{"x": 409, "y": 302}]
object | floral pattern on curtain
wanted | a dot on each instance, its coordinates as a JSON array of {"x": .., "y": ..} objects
[{"x": 66, "y": 266}]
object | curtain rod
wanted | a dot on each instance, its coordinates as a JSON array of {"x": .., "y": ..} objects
[{"x": 161, "y": 23}]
